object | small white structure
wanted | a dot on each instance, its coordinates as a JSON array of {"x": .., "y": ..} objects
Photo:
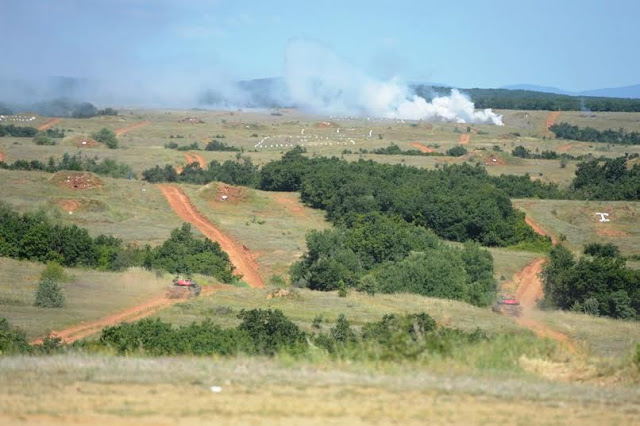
[
  {"x": 370, "y": 133},
  {"x": 604, "y": 217},
  {"x": 302, "y": 132},
  {"x": 224, "y": 197}
]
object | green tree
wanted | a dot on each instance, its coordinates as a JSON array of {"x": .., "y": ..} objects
[
  {"x": 107, "y": 137},
  {"x": 49, "y": 294}
]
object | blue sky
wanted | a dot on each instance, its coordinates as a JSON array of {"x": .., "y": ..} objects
[{"x": 571, "y": 44}]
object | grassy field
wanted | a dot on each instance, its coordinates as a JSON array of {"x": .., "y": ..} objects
[
  {"x": 127, "y": 391},
  {"x": 104, "y": 389},
  {"x": 577, "y": 220}
]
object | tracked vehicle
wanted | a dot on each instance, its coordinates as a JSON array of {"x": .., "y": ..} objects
[{"x": 183, "y": 288}]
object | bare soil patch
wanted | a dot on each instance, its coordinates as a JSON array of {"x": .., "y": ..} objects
[
  {"x": 464, "y": 139},
  {"x": 77, "y": 180},
  {"x": 290, "y": 202},
  {"x": 539, "y": 230},
  {"x": 1, "y": 156},
  {"x": 551, "y": 119},
  {"x": 238, "y": 253},
  {"x": 130, "y": 127},
  {"x": 194, "y": 157},
  {"x": 608, "y": 232},
  {"x": 494, "y": 160},
  {"x": 564, "y": 148},
  {"x": 422, "y": 147},
  {"x": 49, "y": 123},
  {"x": 85, "y": 142},
  {"x": 72, "y": 205},
  {"x": 218, "y": 192},
  {"x": 326, "y": 124}
]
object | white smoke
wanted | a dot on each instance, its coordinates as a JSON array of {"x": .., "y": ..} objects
[{"x": 319, "y": 80}]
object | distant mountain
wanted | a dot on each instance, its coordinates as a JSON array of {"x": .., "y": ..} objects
[{"x": 629, "y": 92}]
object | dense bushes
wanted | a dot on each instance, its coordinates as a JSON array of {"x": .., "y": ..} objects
[
  {"x": 267, "y": 332},
  {"x": 12, "y": 340},
  {"x": 394, "y": 149},
  {"x": 35, "y": 236},
  {"x": 376, "y": 253},
  {"x": 216, "y": 145},
  {"x": 172, "y": 145},
  {"x": 107, "y": 137},
  {"x": 231, "y": 172},
  {"x": 599, "y": 285},
  {"x": 608, "y": 179},
  {"x": 76, "y": 162},
  {"x": 589, "y": 134},
  {"x": 17, "y": 131}
]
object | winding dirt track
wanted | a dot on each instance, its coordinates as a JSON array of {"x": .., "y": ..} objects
[
  {"x": 551, "y": 119},
  {"x": 193, "y": 157},
  {"x": 242, "y": 260},
  {"x": 423, "y": 147},
  {"x": 49, "y": 123},
  {"x": 71, "y": 334},
  {"x": 130, "y": 127}
]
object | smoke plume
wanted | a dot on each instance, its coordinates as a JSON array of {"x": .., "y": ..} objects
[{"x": 318, "y": 80}]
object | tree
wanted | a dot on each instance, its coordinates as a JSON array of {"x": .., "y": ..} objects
[{"x": 49, "y": 294}]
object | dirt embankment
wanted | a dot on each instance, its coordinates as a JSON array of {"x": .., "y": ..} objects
[
  {"x": 464, "y": 139},
  {"x": 1, "y": 156},
  {"x": 422, "y": 147},
  {"x": 539, "y": 230},
  {"x": 240, "y": 258},
  {"x": 71, "y": 334},
  {"x": 551, "y": 119},
  {"x": 131, "y": 127},
  {"x": 49, "y": 123}
]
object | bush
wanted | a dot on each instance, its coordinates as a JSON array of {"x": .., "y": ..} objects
[
  {"x": 12, "y": 340},
  {"x": 107, "y": 137},
  {"x": 216, "y": 145},
  {"x": 49, "y": 294},
  {"x": 54, "y": 272},
  {"x": 457, "y": 151},
  {"x": 42, "y": 139}
]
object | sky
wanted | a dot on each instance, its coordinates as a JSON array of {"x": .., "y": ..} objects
[{"x": 571, "y": 44}]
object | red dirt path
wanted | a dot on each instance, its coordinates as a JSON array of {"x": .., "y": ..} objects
[
  {"x": 551, "y": 119},
  {"x": 243, "y": 262},
  {"x": 464, "y": 139},
  {"x": 71, "y": 334},
  {"x": 1, "y": 156},
  {"x": 193, "y": 157},
  {"x": 130, "y": 127},
  {"x": 423, "y": 147},
  {"x": 49, "y": 123}
]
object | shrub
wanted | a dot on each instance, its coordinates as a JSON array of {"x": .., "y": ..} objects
[
  {"x": 54, "y": 272},
  {"x": 42, "y": 139},
  {"x": 49, "y": 294},
  {"x": 12, "y": 340},
  {"x": 107, "y": 137},
  {"x": 271, "y": 331},
  {"x": 457, "y": 151}
]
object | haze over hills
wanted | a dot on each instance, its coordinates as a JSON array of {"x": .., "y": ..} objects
[{"x": 630, "y": 92}]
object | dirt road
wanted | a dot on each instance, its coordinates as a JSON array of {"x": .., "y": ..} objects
[
  {"x": 551, "y": 119},
  {"x": 423, "y": 147},
  {"x": 239, "y": 256},
  {"x": 71, "y": 334},
  {"x": 464, "y": 139},
  {"x": 49, "y": 123},
  {"x": 193, "y": 157},
  {"x": 130, "y": 127}
]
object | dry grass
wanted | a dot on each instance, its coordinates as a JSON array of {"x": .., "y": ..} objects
[
  {"x": 577, "y": 220},
  {"x": 82, "y": 390}
]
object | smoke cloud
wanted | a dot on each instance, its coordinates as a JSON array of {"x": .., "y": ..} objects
[{"x": 318, "y": 80}]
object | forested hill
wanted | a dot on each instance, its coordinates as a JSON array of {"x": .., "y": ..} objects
[{"x": 531, "y": 100}]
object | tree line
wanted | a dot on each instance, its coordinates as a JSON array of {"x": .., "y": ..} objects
[
  {"x": 532, "y": 100},
  {"x": 76, "y": 162},
  {"x": 589, "y": 134},
  {"x": 35, "y": 236}
]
